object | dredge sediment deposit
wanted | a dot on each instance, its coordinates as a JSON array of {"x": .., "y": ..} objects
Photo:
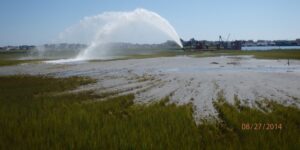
[{"x": 183, "y": 79}]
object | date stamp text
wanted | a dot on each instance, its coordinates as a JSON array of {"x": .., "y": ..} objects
[{"x": 261, "y": 126}]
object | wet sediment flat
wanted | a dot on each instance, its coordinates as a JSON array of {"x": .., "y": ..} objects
[{"x": 183, "y": 79}]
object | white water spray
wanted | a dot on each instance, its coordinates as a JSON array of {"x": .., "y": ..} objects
[{"x": 136, "y": 26}]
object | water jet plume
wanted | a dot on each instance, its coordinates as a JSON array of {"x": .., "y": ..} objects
[{"x": 100, "y": 31}]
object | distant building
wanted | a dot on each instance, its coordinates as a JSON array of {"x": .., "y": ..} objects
[
  {"x": 262, "y": 43},
  {"x": 249, "y": 43},
  {"x": 298, "y": 41},
  {"x": 26, "y": 47}
]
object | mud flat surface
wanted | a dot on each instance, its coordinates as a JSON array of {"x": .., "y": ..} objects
[{"x": 184, "y": 79}]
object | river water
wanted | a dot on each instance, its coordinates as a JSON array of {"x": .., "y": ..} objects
[{"x": 269, "y": 47}]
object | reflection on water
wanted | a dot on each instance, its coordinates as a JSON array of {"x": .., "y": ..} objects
[{"x": 269, "y": 47}]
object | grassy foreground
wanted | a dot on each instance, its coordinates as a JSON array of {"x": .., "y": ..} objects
[{"x": 34, "y": 116}]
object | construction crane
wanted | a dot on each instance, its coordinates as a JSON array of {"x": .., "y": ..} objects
[{"x": 220, "y": 42}]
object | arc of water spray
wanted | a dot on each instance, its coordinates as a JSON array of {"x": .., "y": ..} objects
[
  {"x": 140, "y": 15},
  {"x": 109, "y": 22}
]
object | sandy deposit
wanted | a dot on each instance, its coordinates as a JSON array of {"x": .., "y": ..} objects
[{"x": 184, "y": 79}]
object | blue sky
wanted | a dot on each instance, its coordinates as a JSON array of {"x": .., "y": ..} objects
[{"x": 40, "y": 21}]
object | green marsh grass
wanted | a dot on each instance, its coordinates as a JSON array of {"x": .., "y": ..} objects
[
  {"x": 13, "y": 58},
  {"x": 34, "y": 116},
  {"x": 270, "y": 54}
]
